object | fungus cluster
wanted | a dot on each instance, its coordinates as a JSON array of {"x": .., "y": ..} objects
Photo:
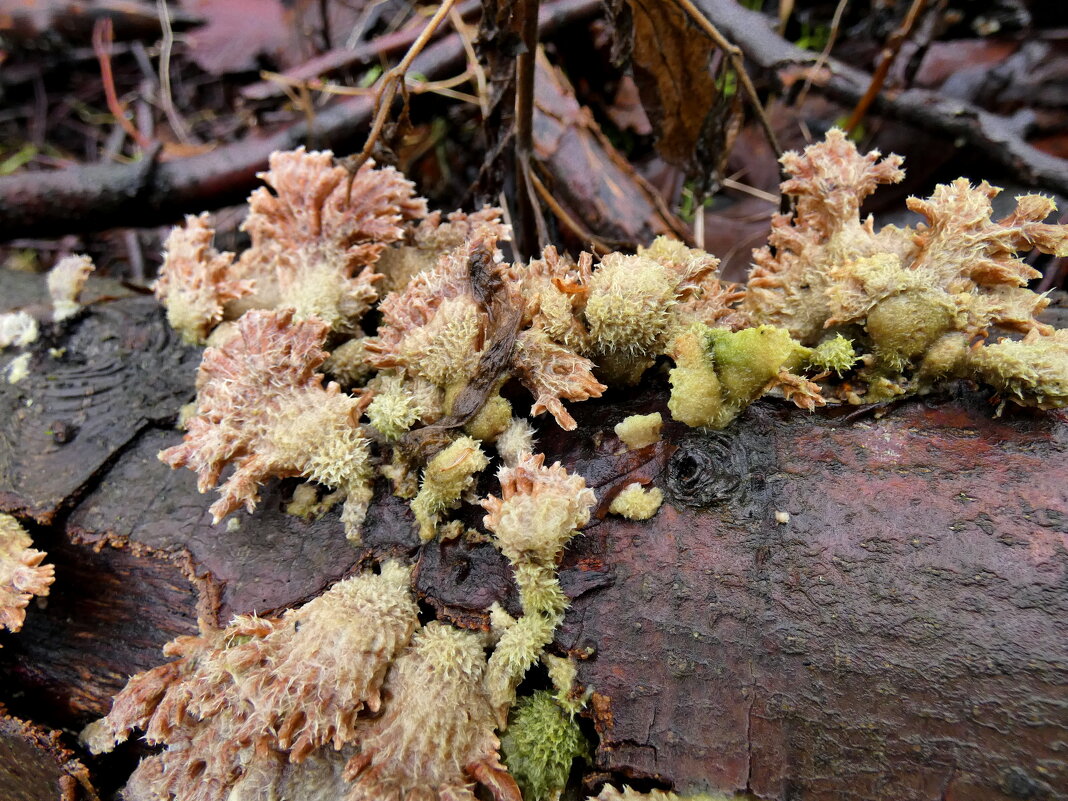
[
  {"x": 539, "y": 511},
  {"x": 262, "y": 408},
  {"x": 464, "y": 350},
  {"x": 22, "y": 573},
  {"x": 20, "y": 329},
  {"x": 349, "y": 697},
  {"x": 345, "y": 696},
  {"x": 919, "y": 302}
]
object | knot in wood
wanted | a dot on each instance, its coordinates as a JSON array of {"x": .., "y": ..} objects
[{"x": 706, "y": 470}]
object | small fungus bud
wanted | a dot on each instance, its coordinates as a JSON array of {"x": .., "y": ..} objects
[
  {"x": 18, "y": 329},
  {"x": 640, "y": 430},
  {"x": 448, "y": 476},
  {"x": 637, "y": 503},
  {"x": 22, "y": 574},
  {"x": 65, "y": 282}
]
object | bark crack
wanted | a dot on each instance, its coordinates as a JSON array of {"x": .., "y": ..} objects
[{"x": 749, "y": 731}]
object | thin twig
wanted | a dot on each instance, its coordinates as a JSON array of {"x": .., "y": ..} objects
[
  {"x": 473, "y": 64},
  {"x": 389, "y": 82},
  {"x": 888, "y": 55},
  {"x": 443, "y": 87},
  {"x": 526, "y": 174},
  {"x": 531, "y": 224},
  {"x": 730, "y": 183},
  {"x": 568, "y": 219},
  {"x": 181, "y": 130},
  {"x": 738, "y": 64},
  {"x": 836, "y": 22},
  {"x": 103, "y": 33}
]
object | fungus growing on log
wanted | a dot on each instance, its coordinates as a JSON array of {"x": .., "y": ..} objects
[
  {"x": 837, "y": 314},
  {"x": 65, "y": 282},
  {"x": 315, "y": 240},
  {"x": 436, "y": 736},
  {"x": 262, "y": 407},
  {"x": 22, "y": 574},
  {"x": 195, "y": 281},
  {"x": 240, "y": 703},
  {"x": 924, "y": 295}
]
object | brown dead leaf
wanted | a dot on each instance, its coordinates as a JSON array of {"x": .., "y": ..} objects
[
  {"x": 671, "y": 68},
  {"x": 242, "y": 35},
  {"x": 236, "y": 33},
  {"x": 687, "y": 93}
]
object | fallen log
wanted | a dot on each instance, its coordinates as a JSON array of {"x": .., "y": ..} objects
[{"x": 850, "y": 604}]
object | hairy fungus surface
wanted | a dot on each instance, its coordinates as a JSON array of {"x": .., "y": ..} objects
[
  {"x": 262, "y": 407},
  {"x": 635, "y": 502},
  {"x": 433, "y": 332},
  {"x": 18, "y": 329},
  {"x": 433, "y": 237},
  {"x": 65, "y": 282},
  {"x": 640, "y": 430},
  {"x": 22, "y": 574},
  {"x": 195, "y": 281},
  {"x": 315, "y": 238},
  {"x": 240, "y": 703},
  {"x": 630, "y": 305},
  {"x": 436, "y": 736},
  {"x": 447, "y": 477},
  {"x": 314, "y": 244}
]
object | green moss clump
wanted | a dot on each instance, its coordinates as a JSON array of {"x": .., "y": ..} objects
[
  {"x": 540, "y": 744},
  {"x": 719, "y": 372},
  {"x": 834, "y": 354},
  {"x": 747, "y": 360},
  {"x": 904, "y": 326}
]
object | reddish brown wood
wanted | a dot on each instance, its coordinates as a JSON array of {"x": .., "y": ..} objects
[
  {"x": 262, "y": 562},
  {"x": 901, "y": 636},
  {"x": 107, "y": 616}
]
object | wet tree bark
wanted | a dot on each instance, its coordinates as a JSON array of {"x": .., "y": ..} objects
[{"x": 901, "y": 635}]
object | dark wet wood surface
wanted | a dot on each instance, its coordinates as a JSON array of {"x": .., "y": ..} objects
[
  {"x": 35, "y": 765},
  {"x": 902, "y": 636}
]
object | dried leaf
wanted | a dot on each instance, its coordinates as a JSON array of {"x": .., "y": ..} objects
[{"x": 693, "y": 113}]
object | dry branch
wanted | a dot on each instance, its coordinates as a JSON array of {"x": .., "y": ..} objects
[{"x": 99, "y": 196}]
